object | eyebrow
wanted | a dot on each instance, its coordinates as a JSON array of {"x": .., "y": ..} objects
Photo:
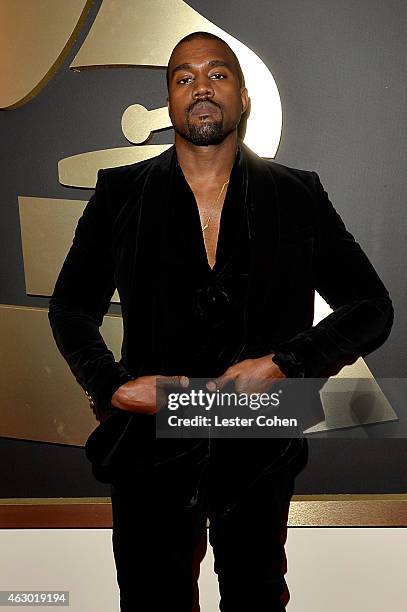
[{"x": 211, "y": 64}]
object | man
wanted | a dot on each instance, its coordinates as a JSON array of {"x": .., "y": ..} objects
[{"x": 216, "y": 255}]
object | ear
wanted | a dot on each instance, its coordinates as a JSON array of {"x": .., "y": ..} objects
[{"x": 244, "y": 95}]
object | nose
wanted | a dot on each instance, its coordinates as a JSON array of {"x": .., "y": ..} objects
[{"x": 203, "y": 87}]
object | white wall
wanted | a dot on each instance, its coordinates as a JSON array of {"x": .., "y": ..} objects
[{"x": 352, "y": 569}]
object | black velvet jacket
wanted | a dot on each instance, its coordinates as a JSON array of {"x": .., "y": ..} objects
[{"x": 298, "y": 244}]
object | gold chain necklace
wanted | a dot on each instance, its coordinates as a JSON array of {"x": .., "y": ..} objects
[{"x": 203, "y": 227}]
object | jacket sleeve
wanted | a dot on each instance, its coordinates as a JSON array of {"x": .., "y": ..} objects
[
  {"x": 81, "y": 298},
  {"x": 362, "y": 314}
]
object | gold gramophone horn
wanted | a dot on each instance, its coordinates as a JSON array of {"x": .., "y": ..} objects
[{"x": 36, "y": 36}]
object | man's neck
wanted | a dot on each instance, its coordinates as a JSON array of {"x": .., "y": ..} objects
[{"x": 212, "y": 163}]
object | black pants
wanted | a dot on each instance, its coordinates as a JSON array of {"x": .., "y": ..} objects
[{"x": 159, "y": 529}]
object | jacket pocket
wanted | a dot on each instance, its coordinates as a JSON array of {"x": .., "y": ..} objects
[{"x": 103, "y": 442}]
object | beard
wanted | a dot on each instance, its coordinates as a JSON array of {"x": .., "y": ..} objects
[
  {"x": 205, "y": 133},
  {"x": 202, "y": 133}
]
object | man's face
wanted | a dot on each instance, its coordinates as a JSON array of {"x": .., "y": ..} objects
[{"x": 205, "y": 99}]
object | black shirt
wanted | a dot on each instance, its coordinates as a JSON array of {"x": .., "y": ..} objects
[{"x": 213, "y": 301}]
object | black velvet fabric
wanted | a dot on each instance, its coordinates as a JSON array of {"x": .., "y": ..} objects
[{"x": 280, "y": 239}]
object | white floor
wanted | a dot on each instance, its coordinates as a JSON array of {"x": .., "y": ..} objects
[{"x": 357, "y": 570}]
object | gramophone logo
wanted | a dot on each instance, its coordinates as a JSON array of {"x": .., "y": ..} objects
[{"x": 124, "y": 33}]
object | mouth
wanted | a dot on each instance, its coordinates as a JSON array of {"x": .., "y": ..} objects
[{"x": 204, "y": 109}]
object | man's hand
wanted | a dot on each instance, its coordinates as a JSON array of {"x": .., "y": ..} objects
[
  {"x": 259, "y": 375},
  {"x": 146, "y": 394},
  {"x": 249, "y": 375}
]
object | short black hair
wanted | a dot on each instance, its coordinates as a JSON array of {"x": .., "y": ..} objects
[{"x": 209, "y": 36}]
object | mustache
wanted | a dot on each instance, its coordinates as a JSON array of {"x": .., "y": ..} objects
[{"x": 205, "y": 101}]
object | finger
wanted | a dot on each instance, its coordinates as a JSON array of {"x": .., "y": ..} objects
[
  {"x": 254, "y": 385},
  {"x": 170, "y": 382},
  {"x": 218, "y": 383},
  {"x": 184, "y": 381}
]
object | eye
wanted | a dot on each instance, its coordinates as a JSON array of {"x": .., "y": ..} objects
[
  {"x": 217, "y": 76},
  {"x": 186, "y": 79}
]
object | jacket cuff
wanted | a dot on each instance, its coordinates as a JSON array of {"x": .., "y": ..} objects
[
  {"x": 317, "y": 353},
  {"x": 101, "y": 390},
  {"x": 289, "y": 364}
]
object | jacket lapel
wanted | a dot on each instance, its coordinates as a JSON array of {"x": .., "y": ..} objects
[
  {"x": 264, "y": 228},
  {"x": 143, "y": 255}
]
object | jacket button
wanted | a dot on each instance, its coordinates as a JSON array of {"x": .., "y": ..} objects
[{"x": 90, "y": 398}]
